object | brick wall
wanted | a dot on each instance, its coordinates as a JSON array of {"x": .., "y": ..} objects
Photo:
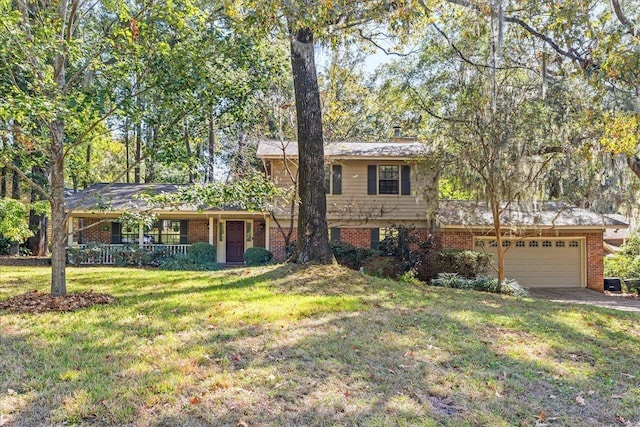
[
  {"x": 462, "y": 240},
  {"x": 359, "y": 237},
  {"x": 595, "y": 262},
  {"x": 198, "y": 231},
  {"x": 258, "y": 233},
  {"x": 276, "y": 241},
  {"x": 96, "y": 233}
]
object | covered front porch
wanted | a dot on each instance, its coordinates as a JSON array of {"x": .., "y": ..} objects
[{"x": 232, "y": 233}]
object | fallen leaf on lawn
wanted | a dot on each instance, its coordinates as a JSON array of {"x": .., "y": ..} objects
[
  {"x": 620, "y": 419},
  {"x": 346, "y": 393},
  {"x": 242, "y": 423},
  {"x": 194, "y": 400},
  {"x": 591, "y": 392},
  {"x": 541, "y": 415},
  {"x": 580, "y": 400},
  {"x": 616, "y": 396}
]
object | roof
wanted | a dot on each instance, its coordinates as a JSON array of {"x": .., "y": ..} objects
[
  {"x": 617, "y": 234},
  {"x": 404, "y": 149},
  {"x": 116, "y": 197},
  {"x": 455, "y": 213}
]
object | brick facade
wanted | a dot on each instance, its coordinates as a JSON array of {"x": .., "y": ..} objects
[
  {"x": 259, "y": 233},
  {"x": 276, "y": 241},
  {"x": 463, "y": 240},
  {"x": 198, "y": 231},
  {"x": 359, "y": 237},
  {"x": 98, "y": 233}
]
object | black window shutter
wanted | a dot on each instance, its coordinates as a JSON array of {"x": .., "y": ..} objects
[
  {"x": 335, "y": 234},
  {"x": 116, "y": 237},
  {"x": 375, "y": 238},
  {"x": 337, "y": 179},
  {"x": 184, "y": 232},
  {"x": 372, "y": 186},
  {"x": 405, "y": 176}
]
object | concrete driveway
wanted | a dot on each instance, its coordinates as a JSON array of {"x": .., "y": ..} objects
[{"x": 586, "y": 296}]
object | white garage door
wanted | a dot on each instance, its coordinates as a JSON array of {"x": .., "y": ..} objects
[{"x": 540, "y": 262}]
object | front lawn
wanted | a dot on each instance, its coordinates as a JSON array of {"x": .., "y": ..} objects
[{"x": 281, "y": 345}]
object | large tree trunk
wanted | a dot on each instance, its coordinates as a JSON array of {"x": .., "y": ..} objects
[
  {"x": 313, "y": 234},
  {"x": 14, "y": 248},
  {"x": 58, "y": 220}
]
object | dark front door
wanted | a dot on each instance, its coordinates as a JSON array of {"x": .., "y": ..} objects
[{"x": 235, "y": 241}]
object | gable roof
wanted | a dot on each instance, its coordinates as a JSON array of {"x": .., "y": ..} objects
[
  {"x": 458, "y": 213},
  {"x": 116, "y": 197},
  {"x": 272, "y": 149}
]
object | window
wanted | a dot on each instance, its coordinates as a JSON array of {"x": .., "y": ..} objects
[
  {"x": 164, "y": 231},
  {"x": 520, "y": 244},
  {"x": 533, "y": 244},
  {"x": 546, "y": 244},
  {"x": 388, "y": 179},
  {"x": 506, "y": 243},
  {"x": 559, "y": 244},
  {"x": 333, "y": 179},
  {"x": 574, "y": 244},
  {"x": 334, "y": 233}
]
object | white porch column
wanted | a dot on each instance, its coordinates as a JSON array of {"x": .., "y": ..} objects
[
  {"x": 70, "y": 227},
  {"x": 141, "y": 234},
  {"x": 267, "y": 225},
  {"x": 211, "y": 242}
]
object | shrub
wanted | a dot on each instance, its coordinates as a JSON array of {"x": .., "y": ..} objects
[
  {"x": 91, "y": 253},
  {"x": 200, "y": 256},
  {"x": 480, "y": 283},
  {"x": 201, "y": 253},
  {"x": 184, "y": 263},
  {"x": 5, "y": 245},
  {"x": 464, "y": 263},
  {"x": 350, "y": 256},
  {"x": 380, "y": 266},
  {"x": 258, "y": 256}
]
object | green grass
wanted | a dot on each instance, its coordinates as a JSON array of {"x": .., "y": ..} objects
[{"x": 320, "y": 346}]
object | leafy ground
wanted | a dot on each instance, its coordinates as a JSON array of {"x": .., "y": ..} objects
[{"x": 320, "y": 346}]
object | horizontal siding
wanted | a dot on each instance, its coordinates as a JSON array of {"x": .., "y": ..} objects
[{"x": 355, "y": 205}]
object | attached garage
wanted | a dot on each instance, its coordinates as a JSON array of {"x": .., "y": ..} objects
[{"x": 541, "y": 262}]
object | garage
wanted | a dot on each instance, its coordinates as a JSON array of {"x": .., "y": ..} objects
[{"x": 540, "y": 262}]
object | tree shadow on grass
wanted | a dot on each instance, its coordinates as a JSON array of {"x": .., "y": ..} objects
[{"x": 420, "y": 358}]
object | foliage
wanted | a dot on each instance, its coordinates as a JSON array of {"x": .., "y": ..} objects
[
  {"x": 5, "y": 245},
  {"x": 14, "y": 220},
  {"x": 184, "y": 263},
  {"x": 91, "y": 253},
  {"x": 480, "y": 283},
  {"x": 251, "y": 192},
  {"x": 200, "y": 256},
  {"x": 257, "y": 256},
  {"x": 626, "y": 262},
  {"x": 201, "y": 253},
  {"x": 467, "y": 264},
  {"x": 381, "y": 266},
  {"x": 349, "y": 255}
]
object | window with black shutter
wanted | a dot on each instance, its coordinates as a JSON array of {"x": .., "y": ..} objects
[
  {"x": 375, "y": 238},
  {"x": 388, "y": 179},
  {"x": 116, "y": 237},
  {"x": 184, "y": 232}
]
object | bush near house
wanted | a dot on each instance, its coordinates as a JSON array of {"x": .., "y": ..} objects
[
  {"x": 467, "y": 264},
  {"x": 257, "y": 256},
  {"x": 480, "y": 283},
  {"x": 200, "y": 257},
  {"x": 625, "y": 264}
]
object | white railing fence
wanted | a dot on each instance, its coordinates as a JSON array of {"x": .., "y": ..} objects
[{"x": 103, "y": 254}]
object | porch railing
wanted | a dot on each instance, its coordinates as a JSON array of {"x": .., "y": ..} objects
[{"x": 103, "y": 254}]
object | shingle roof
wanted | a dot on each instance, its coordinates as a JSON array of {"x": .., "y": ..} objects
[
  {"x": 116, "y": 197},
  {"x": 556, "y": 214},
  {"x": 405, "y": 149}
]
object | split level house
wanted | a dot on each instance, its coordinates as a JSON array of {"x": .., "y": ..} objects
[{"x": 371, "y": 189}]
